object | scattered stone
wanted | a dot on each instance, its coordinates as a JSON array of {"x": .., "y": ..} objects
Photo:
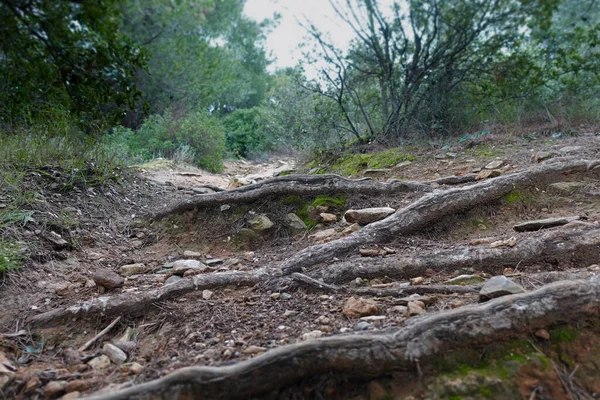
[
  {"x": 57, "y": 242},
  {"x": 115, "y": 354},
  {"x": 488, "y": 173},
  {"x": 275, "y": 296},
  {"x": 414, "y": 308},
  {"x": 181, "y": 266},
  {"x": 78, "y": 385},
  {"x": 89, "y": 283},
  {"x": 496, "y": 164},
  {"x": 376, "y": 172},
  {"x": 371, "y": 318},
  {"x": 261, "y": 223},
  {"x": 543, "y": 223},
  {"x": 126, "y": 345},
  {"x": 372, "y": 252},
  {"x": 213, "y": 261},
  {"x": 451, "y": 155},
  {"x": 107, "y": 278},
  {"x": 440, "y": 156},
  {"x": 71, "y": 396},
  {"x": 72, "y": 356},
  {"x": 132, "y": 269},
  {"x": 417, "y": 281},
  {"x": 249, "y": 256},
  {"x": 402, "y": 165},
  {"x": 498, "y": 286},
  {"x": 570, "y": 149},
  {"x": 467, "y": 279},
  {"x": 285, "y": 296},
  {"x": 506, "y": 242},
  {"x": 55, "y": 388},
  {"x": 457, "y": 303},
  {"x": 225, "y": 207},
  {"x": 295, "y": 222},
  {"x": 239, "y": 181},
  {"x": 351, "y": 229},
  {"x": 362, "y": 326},
  {"x": 368, "y": 215},
  {"x": 312, "y": 335},
  {"x": 565, "y": 187},
  {"x": 325, "y": 235},
  {"x": 359, "y": 307},
  {"x": 254, "y": 350},
  {"x": 192, "y": 254},
  {"x": 542, "y": 334},
  {"x": 360, "y": 281},
  {"x": 325, "y": 297},
  {"x": 323, "y": 320},
  {"x": 207, "y": 294},
  {"x": 203, "y": 190},
  {"x": 328, "y": 218},
  {"x": 542, "y": 156},
  {"x": 135, "y": 368},
  {"x": 402, "y": 310},
  {"x": 173, "y": 279}
]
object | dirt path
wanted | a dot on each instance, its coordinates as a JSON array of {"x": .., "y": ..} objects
[{"x": 224, "y": 325}]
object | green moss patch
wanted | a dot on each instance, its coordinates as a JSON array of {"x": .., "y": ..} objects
[{"x": 353, "y": 164}]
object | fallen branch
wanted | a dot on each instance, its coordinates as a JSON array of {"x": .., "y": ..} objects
[
  {"x": 99, "y": 335},
  {"x": 300, "y": 185},
  {"x": 137, "y": 303},
  {"x": 564, "y": 247},
  {"x": 434, "y": 206},
  {"x": 371, "y": 355}
]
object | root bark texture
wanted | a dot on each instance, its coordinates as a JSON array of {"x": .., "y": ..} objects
[{"x": 370, "y": 355}]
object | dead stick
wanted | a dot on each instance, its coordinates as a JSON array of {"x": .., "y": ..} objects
[{"x": 98, "y": 336}]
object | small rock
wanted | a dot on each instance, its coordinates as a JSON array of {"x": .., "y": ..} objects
[
  {"x": 498, "y": 286},
  {"x": 570, "y": 149},
  {"x": 173, "y": 279},
  {"x": 207, "y": 294},
  {"x": 115, "y": 354},
  {"x": 126, "y": 345},
  {"x": 31, "y": 386},
  {"x": 132, "y": 269},
  {"x": 465, "y": 279},
  {"x": 542, "y": 156},
  {"x": 71, "y": 396},
  {"x": 451, "y": 155},
  {"x": 351, "y": 229},
  {"x": 323, "y": 320},
  {"x": 72, "y": 356},
  {"x": 402, "y": 310},
  {"x": 55, "y": 388},
  {"x": 78, "y": 385},
  {"x": 328, "y": 218},
  {"x": 181, "y": 266},
  {"x": 107, "y": 278},
  {"x": 542, "y": 334},
  {"x": 312, "y": 335},
  {"x": 376, "y": 172},
  {"x": 565, "y": 187},
  {"x": 415, "y": 308},
  {"x": 368, "y": 215},
  {"x": 213, "y": 261},
  {"x": 402, "y": 165},
  {"x": 254, "y": 350},
  {"x": 57, "y": 242},
  {"x": 359, "y": 307},
  {"x": 89, "y": 283},
  {"x": 192, "y": 254},
  {"x": 362, "y": 326},
  {"x": 495, "y": 164},
  {"x": 225, "y": 207},
  {"x": 295, "y": 222},
  {"x": 457, "y": 303},
  {"x": 275, "y": 296},
  {"x": 417, "y": 281},
  {"x": 249, "y": 256},
  {"x": 326, "y": 234},
  {"x": 135, "y": 368},
  {"x": 261, "y": 223},
  {"x": 371, "y": 318},
  {"x": 488, "y": 173},
  {"x": 285, "y": 296}
]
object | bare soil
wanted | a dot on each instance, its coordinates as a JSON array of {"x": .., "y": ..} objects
[{"x": 105, "y": 227}]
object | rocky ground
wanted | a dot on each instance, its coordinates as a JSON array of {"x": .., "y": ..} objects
[{"x": 96, "y": 243}]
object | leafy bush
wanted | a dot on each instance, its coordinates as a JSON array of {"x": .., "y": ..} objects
[
  {"x": 245, "y": 134},
  {"x": 197, "y": 138}
]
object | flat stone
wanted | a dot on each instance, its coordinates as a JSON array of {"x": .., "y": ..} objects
[
  {"x": 192, "y": 254},
  {"x": 451, "y": 154},
  {"x": 401, "y": 165},
  {"x": 107, "y": 278},
  {"x": 495, "y": 164},
  {"x": 261, "y": 223},
  {"x": 55, "y": 388},
  {"x": 376, "y": 172},
  {"x": 57, "y": 242},
  {"x": 417, "y": 281},
  {"x": 207, "y": 294},
  {"x": 543, "y": 223},
  {"x": 295, "y": 222},
  {"x": 359, "y": 307},
  {"x": 372, "y": 318},
  {"x": 173, "y": 279},
  {"x": 487, "y": 173},
  {"x": 312, "y": 335},
  {"x": 465, "y": 279},
  {"x": 351, "y": 229},
  {"x": 115, "y": 354},
  {"x": 542, "y": 156},
  {"x": 368, "y": 215},
  {"x": 135, "y": 368},
  {"x": 570, "y": 149},
  {"x": 542, "y": 334},
  {"x": 498, "y": 286},
  {"x": 414, "y": 308},
  {"x": 71, "y": 396},
  {"x": 324, "y": 234},
  {"x": 362, "y": 326},
  {"x": 132, "y": 269},
  {"x": 565, "y": 187},
  {"x": 328, "y": 218},
  {"x": 78, "y": 385},
  {"x": 180, "y": 266},
  {"x": 254, "y": 350},
  {"x": 99, "y": 363}
]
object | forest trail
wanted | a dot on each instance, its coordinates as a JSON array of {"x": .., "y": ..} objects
[{"x": 136, "y": 282}]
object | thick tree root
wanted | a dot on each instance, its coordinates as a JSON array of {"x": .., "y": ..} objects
[
  {"x": 300, "y": 185},
  {"x": 137, "y": 303},
  {"x": 370, "y": 355},
  {"x": 557, "y": 247},
  {"x": 433, "y": 206}
]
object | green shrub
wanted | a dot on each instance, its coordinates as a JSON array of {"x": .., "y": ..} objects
[
  {"x": 245, "y": 134},
  {"x": 196, "y": 138},
  {"x": 12, "y": 255}
]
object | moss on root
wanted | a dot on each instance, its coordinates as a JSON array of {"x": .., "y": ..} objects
[{"x": 354, "y": 164}]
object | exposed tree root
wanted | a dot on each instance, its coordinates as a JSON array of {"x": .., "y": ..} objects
[
  {"x": 433, "y": 206},
  {"x": 564, "y": 247},
  {"x": 300, "y": 185},
  {"x": 138, "y": 303},
  {"x": 370, "y": 355}
]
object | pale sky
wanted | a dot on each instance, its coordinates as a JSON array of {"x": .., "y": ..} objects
[{"x": 284, "y": 40}]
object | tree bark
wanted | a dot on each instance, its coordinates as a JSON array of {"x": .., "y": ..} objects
[
  {"x": 371, "y": 355},
  {"x": 436, "y": 205}
]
